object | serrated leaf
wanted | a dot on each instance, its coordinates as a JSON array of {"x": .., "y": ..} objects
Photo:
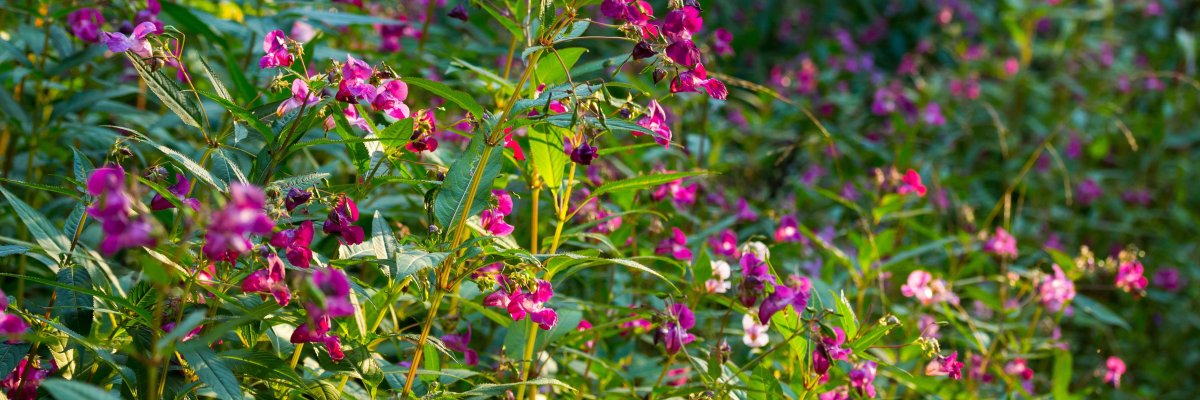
[
  {"x": 454, "y": 202},
  {"x": 74, "y": 308},
  {"x": 63, "y": 389},
  {"x": 412, "y": 261},
  {"x": 244, "y": 115},
  {"x": 550, "y": 67},
  {"x": 546, "y": 150},
  {"x": 11, "y": 355},
  {"x": 191, "y": 166},
  {"x": 167, "y": 91},
  {"x": 397, "y": 135},
  {"x": 213, "y": 372},
  {"x": 846, "y": 316},
  {"x": 262, "y": 364},
  {"x": 463, "y": 99},
  {"x": 81, "y": 166},
  {"x": 47, "y": 236}
]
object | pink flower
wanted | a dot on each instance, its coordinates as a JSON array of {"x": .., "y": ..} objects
[
  {"x": 180, "y": 189},
  {"x": 719, "y": 283},
  {"x": 927, "y": 290},
  {"x": 355, "y": 84},
  {"x": 295, "y": 243},
  {"x": 461, "y": 343},
  {"x": 1020, "y": 368},
  {"x": 317, "y": 331},
  {"x": 112, "y": 208},
  {"x": 533, "y": 304},
  {"x": 795, "y": 294},
  {"x": 303, "y": 32},
  {"x": 23, "y": 382},
  {"x": 942, "y": 365},
  {"x": 170, "y": 326},
  {"x": 117, "y": 42},
  {"x": 351, "y": 114},
  {"x": 1001, "y": 244},
  {"x": 788, "y": 230},
  {"x": 830, "y": 348},
  {"x": 755, "y": 275},
  {"x": 911, "y": 183},
  {"x": 838, "y": 393},
  {"x": 277, "y": 54},
  {"x": 85, "y": 24},
  {"x": 1114, "y": 368},
  {"x": 514, "y": 145},
  {"x": 656, "y": 121},
  {"x": 494, "y": 223},
  {"x": 1056, "y": 291},
  {"x": 675, "y": 246},
  {"x": 725, "y": 244},
  {"x": 755, "y": 335},
  {"x": 389, "y": 98},
  {"x": 723, "y": 42},
  {"x": 932, "y": 115},
  {"x": 696, "y": 79},
  {"x": 11, "y": 325},
  {"x": 680, "y": 195},
  {"x": 243, "y": 215},
  {"x": 340, "y": 221},
  {"x": 862, "y": 378},
  {"x": 673, "y": 334},
  {"x": 745, "y": 213},
  {"x": 300, "y": 98},
  {"x": 637, "y": 326},
  {"x": 1130, "y": 277},
  {"x": 334, "y": 288},
  {"x": 269, "y": 281},
  {"x": 677, "y": 377}
]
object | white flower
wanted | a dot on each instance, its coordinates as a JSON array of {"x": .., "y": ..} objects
[{"x": 756, "y": 335}]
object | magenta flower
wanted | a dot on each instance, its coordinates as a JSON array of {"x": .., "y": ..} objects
[
  {"x": 356, "y": 82},
  {"x": 1114, "y": 368},
  {"x": 795, "y": 294},
  {"x": 533, "y": 304},
  {"x": 1169, "y": 279},
  {"x": 1002, "y": 244},
  {"x": 911, "y": 183},
  {"x": 351, "y": 114},
  {"x": 180, "y": 189},
  {"x": 295, "y": 198},
  {"x": 295, "y": 243},
  {"x": 24, "y": 381},
  {"x": 277, "y": 54},
  {"x": 1130, "y": 277},
  {"x": 584, "y": 154},
  {"x": 755, "y": 275},
  {"x": 965, "y": 88},
  {"x": 334, "y": 288},
  {"x": 170, "y": 326},
  {"x": 85, "y": 24},
  {"x": 269, "y": 281},
  {"x": 692, "y": 81},
  {"x": 637, "y": 326},
  {"x": 492, "y": 219},
  {"x": 136, "y": 42},
  {"x": 636, "y": 12},
  {"x": 656, "y": 121},
  {"x": 301, "y": 97},
  {"x": 745, "y": 213},
  {"x": 11, "y": 325},
  {"x": 112, "y": 209},
  {"x": 1020, "y": 368},
  {"x": 318, "y": 332},
  {"x": 679, "y": 26},
  {"x": 673, "y": 334},
  {"x": 514, "y": 145},
  {"x": 675, "y": 246},
  {"x": 1056, "y": 291},
  {"x": 243, "y": 215},
  {"x": 723, "y": 42},
  {"x": 927, "y": 290},
  {"x": 942, "y": 365},
  {"x": 1088, "y": 191},
  {"x": 725, "y": 244},
  {"x": 838, "y": 393},
  {"x": 861, "y": 379},
  {"x": 932, "y": 115},
  {"x": 788, "y": 230},
  {"x": 680, "y": 194},
  {"x": 340, "y": 221},
  {"x": 461, "y": 343},
  {"x": 829, "y": 349},
  {"x": 389, "y": 98}
]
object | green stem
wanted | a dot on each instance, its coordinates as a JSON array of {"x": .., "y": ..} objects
[{"x": 527, "y": 361}]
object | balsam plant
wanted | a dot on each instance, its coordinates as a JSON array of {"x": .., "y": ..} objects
[{"x": 583, "y": 199}]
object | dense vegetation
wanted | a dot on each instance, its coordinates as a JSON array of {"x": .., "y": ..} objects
[{"x": 598, "y": 199}]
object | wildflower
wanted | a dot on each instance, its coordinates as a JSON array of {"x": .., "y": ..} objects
[
  {"x": 675, "y": 246},
  {"x": 493, "y": 219},
  {"x": 296, "y": 197},
  {"x": 1130, "y": 277},
  {"x": 788, "y": 230},
  {"x": 929, "y": 327},
  {"x": 1002, "y": 244},
  {"x": 269, "y": 281},
  {"x": 838, "y": 393},
  {"x": 942, "y": 365},
  {"x": 636, "y": 12},
  {"x": 673, "y": 334},
  {"x": 170, "y": 326},
  {"x": 642, "y": 50},
  {"x": 355, "y": 84},
  {"x": 277, "y": 54},
  {"x": 136, "y": 42},
  {"x": 317, "y": 331},
  {"x": 719, "y": 283},
  {"x": 1020, "y": 368},
  {"x": 965, "y": 88},
  {"x": 829, "y": 349},
  {"x": 112, "y": 209},
  {"x": 85, "y": 24},
  {"x": 745, "y": 213},
  {"x": 340, "y": 221},
  {"x": 927, "y": 290},
  {"x": 300, "y": 98},
  {"x": 932, "y": 115},
  {"x": 696, "y": 79},
  {"x": 533, "y": 304},
  {"x": 911, "y": 183},
  {"x": 11, "y": 325},
  {"x": 460, "y": 13},
  {"x": 637, "y": 326},
  {"x": 723, "y": 42},
  {"x": 725, "y": 244},
  {"x": 755, "y": 276},
  {"x": 756, "y": 333},
  {"x": 226, "y": 237},
  {"x": 423, "y": 129},
  {"x": 1114, "y": 368},
  {"x": 677, "y": 377},
  {"x": 334, "y": 299},
  {"x": 1169, "y": 279},
  {"x": 759, "y": 250},
  {"x": 303, "y": 32},
  {"x": 795, "y": 294},
  {"x": 460, "y": 343},
  {"x": 1088, "y": 191},
  {"x": 389, "y": 99},
  {"x": 23, "y": 382},
  {"x": 656, "y": 121},
  {"x": 890, "y": 99},
  {"x": 861, "y": 379},
  {"x": 680, "y": 194},
  {"x": 678, "y": 26},
  {"x": 584, "y": 154},
  {"x": 1055, "y": 291},
  {"x": 584, "y": 325},
  {"x": 180, "y": 189}
]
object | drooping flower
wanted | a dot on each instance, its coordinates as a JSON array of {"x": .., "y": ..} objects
[
  {"x": 1020, "y": 368},
  {"x": 533, "y": 304},
  {"x": 679, "y": 26},
  {"x": 11, "y": 325},
  {"x": 460, "y": 13},
  {"x": 1130, "y": 277},
  {"x": 295, "y": 243},
  {"x": 680, "y": 194},
  {"x": 296, "y": 197},
  {"x": 355, "y": 120},
  {"x": 755, "y": 333},
  {"x": 924, "y": 288},
  {"x": 584, "y": 325},
  {"x": 340, "y": 221},
  {"x": 675, "y": 246},
  {"x": 276, "y": 52},
  {"x": 636, "y": 12},
  {"x": 862, "y": 378},
  {"x": 1169, "y": 279},
  {"x": 656, "y": 121},
  {"x": 829, "y": 349},
  {"x": 389, "y": 99},
  {"x": 514, "y": 145},
  {"x": 356, "y": 82},
  {"x": 1055, "y": 291},
  {"x": 719, "y": 283},
  {"x": 85, "y": 24},
  {"x": 788, "y": 230},
  {"x": 673, "y": 333},
  {"x": 584, "y": 154},
  {"x": 697, "y": 79},
  {"x": 745, "y": 213},
  {"x": 725, "y": 244},
  {"x": 911, "y": 183},
  {"x": 334, "y": 288},
  {"x": 461, "y": 343},
  {"x": 755, "y": 275},
  {"x": 318, "y": 332},
  {"x": 942, "y": 365},
  {"x": 492, "y": 219},
  {"x": 136, "y": 42},
  {"x": 723, "y": 42},
  {"x": 180, "y": 189},
  {"x": 24, "y": 381},
  {"x": 1114, "y": 367},
  {"x": 269, "y": 280},
  {"x": 795, "y": 294},
  {"x": 112, "y": 209},
  {"x": 301, "y": 97},
  {"x": 243, "y": 215},
  {"x": 1001, "y": 244}
]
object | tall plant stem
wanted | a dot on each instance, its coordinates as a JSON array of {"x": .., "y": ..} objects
[
  {"x": 562, "y": 210},
  {"x": 527, "y": 360}
]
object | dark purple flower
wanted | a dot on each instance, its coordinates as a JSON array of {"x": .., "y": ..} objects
[
  {"x": 643, "y": 50},
  {"x": 23, "y": 382},
  {"x": 1170, "y": 279},
  {"x": 277, "y": 54},
  {"x": 180, "y": 189},
  {"x": 675, "y": 246},
  {"x": 243, "y": 215},
  {"x": 340, "y": 221},
  {"x": 755, "y": 275},
  {"x": 795, "y": 294},
  {"x": 295, "y": 198},
  {"x": 584, "y": 154},
  {"x": 334, "y": 289},
  {"x": 295, "y": 243},
  {"x": 673, "y": 334},
  {"x": 136, "y": 42},
  {"x": 85, "y": 24},
  {"x": 460, "y": 13},
  {"x": 745, "y": 213},
  {"x": 460, "y": 343},
  {"x": 269, "y": 280}
]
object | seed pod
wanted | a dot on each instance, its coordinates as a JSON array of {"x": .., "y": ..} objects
[
  {"x": 642, "y": 50},
  {"x": 659, "y": 74}
]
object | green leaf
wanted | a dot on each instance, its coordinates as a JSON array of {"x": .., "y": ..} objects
[
  {"x": 213, "y": 372},
  {"x": 397, "y": 135},
  {"x": 764, "y": 385},
  {"x": 463, "y": 99},
  {"x": 82, "y": 166},
  {"x": 412, "y": 261},
  {"x": 191, "y": 166},
  {"x": 873, "y": 334},
  {"x": 642, "y": 182},
  {"x": 9, "y": 107},
  {"x": 546, "y": 150},
  {"x": 47, "y": 236},
  {"x": 455, "y": 202},
  {"x": 584, "y": 261},
  {"x": 1062, "y": 375},
  {"x": 215, "y": 80},
  {"x": 261, "y": 364},
  {"x": 74, "y": 308},
  {"x": 11, "y": 249},
  {"x": 63, "y": 389},
  {"x": 11, "y": 355},
  {"x": 355, "y": 149},
  {"x": 491, "y": 389},
  {"x": 846, "y": 315},
  {"x": 243, "y": 115},
  {"x": 167, "y": 91},
  {"x": 1098, "y": 311},
  {"x": 550, "y": 67}
]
